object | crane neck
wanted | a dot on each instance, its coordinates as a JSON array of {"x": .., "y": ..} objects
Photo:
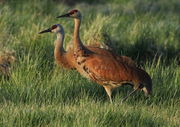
[
  {"x": 77, "y": 41},
  {"x": 59, "y": 49}
]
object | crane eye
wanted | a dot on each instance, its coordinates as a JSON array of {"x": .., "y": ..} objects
[
  {"x": 73, "y": 11},
  {"x": 53, "y": 27}
]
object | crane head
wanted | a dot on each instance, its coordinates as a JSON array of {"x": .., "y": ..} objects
[
  {"x": 73, "y": 14},
  {"x": 54, "y": 29}
]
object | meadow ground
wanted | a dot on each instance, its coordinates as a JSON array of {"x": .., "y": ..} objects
[{"x": 39, "y": 93}]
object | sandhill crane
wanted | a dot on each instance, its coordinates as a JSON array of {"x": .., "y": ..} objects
[
  {"x": 62, "y": 57},
  {"x": 105, "y": 70},
  {"x": 66, "y": 58}
]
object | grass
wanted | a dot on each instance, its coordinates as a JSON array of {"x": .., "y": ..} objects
[{"x": 40, "y": 93}]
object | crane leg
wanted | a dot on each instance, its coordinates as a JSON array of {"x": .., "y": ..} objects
[
  {"x": 109, "y": 92},
  {"x": 129, "y": 94}
]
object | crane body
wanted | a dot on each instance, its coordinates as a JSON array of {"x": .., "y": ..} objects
[{"x": 109, "y": 71}]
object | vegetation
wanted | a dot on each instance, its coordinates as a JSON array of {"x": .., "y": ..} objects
[{"x": 39, "y": 93}]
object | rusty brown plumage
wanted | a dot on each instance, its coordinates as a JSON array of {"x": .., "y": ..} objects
[
  {"x": 105, "y": 68},
  {"x": 66, "y": 58}
]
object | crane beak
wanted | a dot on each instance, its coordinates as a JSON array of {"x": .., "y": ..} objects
[
  {"x": 65, "y": 15},
  {"x": 45, "y": 31}
]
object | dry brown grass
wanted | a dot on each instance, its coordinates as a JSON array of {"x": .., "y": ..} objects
[{"x": 7, "y": 58}]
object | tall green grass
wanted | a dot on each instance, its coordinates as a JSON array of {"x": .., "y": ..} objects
[{"x": 39, "y": 93}]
